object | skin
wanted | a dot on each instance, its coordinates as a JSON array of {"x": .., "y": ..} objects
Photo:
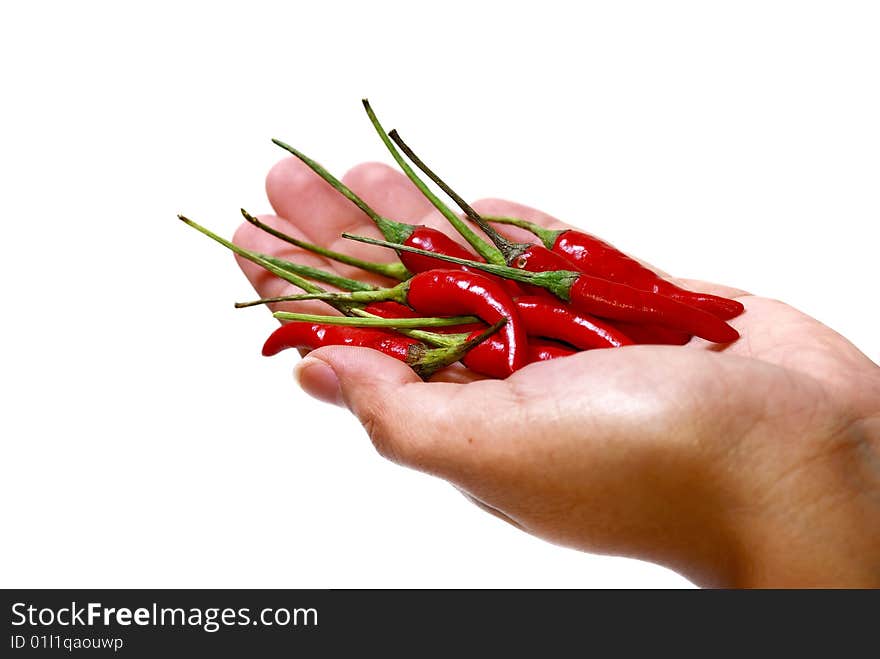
[{"x": 750, "y": 465}]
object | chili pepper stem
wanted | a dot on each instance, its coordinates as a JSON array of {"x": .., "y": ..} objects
[
  {"x": 318, "y": 274},
  {"x": 546, "y": 236},
  {"x": 434, "y": 359},
  {"x": 557, "y": 282},
  {"x": 433, "y": 338},
  {"x": 395, "y": 294},
  {"x": 259, "y": 259},
  {"x": 484, "y": 249},
  {"x": 395, "y": 231},
  {"x": 392, "y": 323},
  {"x": 510, "y": 250},
  {"x": 392, "y": 270}
]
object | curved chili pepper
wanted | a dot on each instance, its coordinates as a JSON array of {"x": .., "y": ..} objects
[
  {"x": 601, "y": 297},
  {"x": 432, "y": 240},
  {"x": 551, "y": 319},
  {"x": 423, "y": 360},
  {"x": 652, "y": 334},
  {"x": 596, "y": 257},
  {"x": 314, "y": 335},
  {"x": 542, "y": 350},
  {"x": 490, "y": 357},
  {"x": 635, "y": 274},
  {"x": 448, "y": 293},
  {"x": 442, "y": 292},
  {"x": 486, "y": 358},
  {"x": 390, "y": 309},
  {"x": 535, "y": 258},
  {"x": 621, "y": 302}
]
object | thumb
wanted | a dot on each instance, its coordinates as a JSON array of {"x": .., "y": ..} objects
[
  {"x": 330, "y": 372},
  {"x": 403, "y": 416}
]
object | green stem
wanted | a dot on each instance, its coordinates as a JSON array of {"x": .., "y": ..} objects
[
  {"x": 557, "y": 282},
  {"x": 435, "y": 359},
  {"x": 395, "y": 231},
  {"x": 428, "y": 337},
  {"x": 396, "y": 294},
  {"x": 306, "y": 285},
  {"x": 259, "y": 259},
  {"x": 509, "y": 249},
  {"x": 547, "y": 236},
  {"x": 433, "y": 338},
  {"x": 484, "y": 249},
  {"x": 320, "y": 275},
  {"x": 393, "y": 323},
  {"x": 394, "y": 270}
]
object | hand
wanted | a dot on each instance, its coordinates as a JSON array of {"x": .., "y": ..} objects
[{"x": 753, "y": 464}]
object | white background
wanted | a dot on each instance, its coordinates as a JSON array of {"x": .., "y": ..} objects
[{"x": 146, "y": 443}]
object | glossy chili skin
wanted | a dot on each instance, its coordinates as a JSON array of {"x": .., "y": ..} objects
[
  {"x": 601, "y": 296},
  {"x": 454, "y": 292},
  {"x": 541, "y": 350},
  {"x": 313, "y": 335},
  {"x": 432, "y": 240},
  {"x": 652, "y": 334},
  {"x": 537, "y": 258},
  {"x": 615, "y": 301},
  {"x": 486, "y": 358},
  {"x": 551, "y": 318},
  {"x": 390, "y": 309},
  {"x": 598, "y": 258},
  {"x": 490, "y": 357}
]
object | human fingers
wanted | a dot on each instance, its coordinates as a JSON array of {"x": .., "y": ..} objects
[
  {"x": 387, "y": 191},
  {"x": 410, "y": 422},
  {"x": 323, "y": 213},
  {"x": 304, "y": 199}
]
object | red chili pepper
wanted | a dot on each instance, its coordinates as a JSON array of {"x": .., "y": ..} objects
[
  {"x": 390, "y": 309},
  {"x": 490, "y": 357},
  {"x": 535, "y": 258},
  {"x": 541, "y": 350},
  {"x": 311, "y": 336},
  {"x": 621, "y": 302},
  {"x": 652, "y": 334},
  {"x": 540, "y": 259},
  {"x": 512, "y": 251},
  {"x": 598, "y": 258},
  {"x": 432, "y": 240},
  {"x": 552, "y": 319},
  {"x": 451, "y": 292},
  {"x": 423, "y": 360},
  {"x": 601, "y": 297}
]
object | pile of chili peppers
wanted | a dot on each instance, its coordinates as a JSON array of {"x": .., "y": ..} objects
[{"x": 495, "y": 309}]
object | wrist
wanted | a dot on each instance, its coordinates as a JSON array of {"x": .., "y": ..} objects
[{"x": 818, "y": 524}]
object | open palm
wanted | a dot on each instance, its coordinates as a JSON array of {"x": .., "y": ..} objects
[{"x": 757, "y": 463}]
